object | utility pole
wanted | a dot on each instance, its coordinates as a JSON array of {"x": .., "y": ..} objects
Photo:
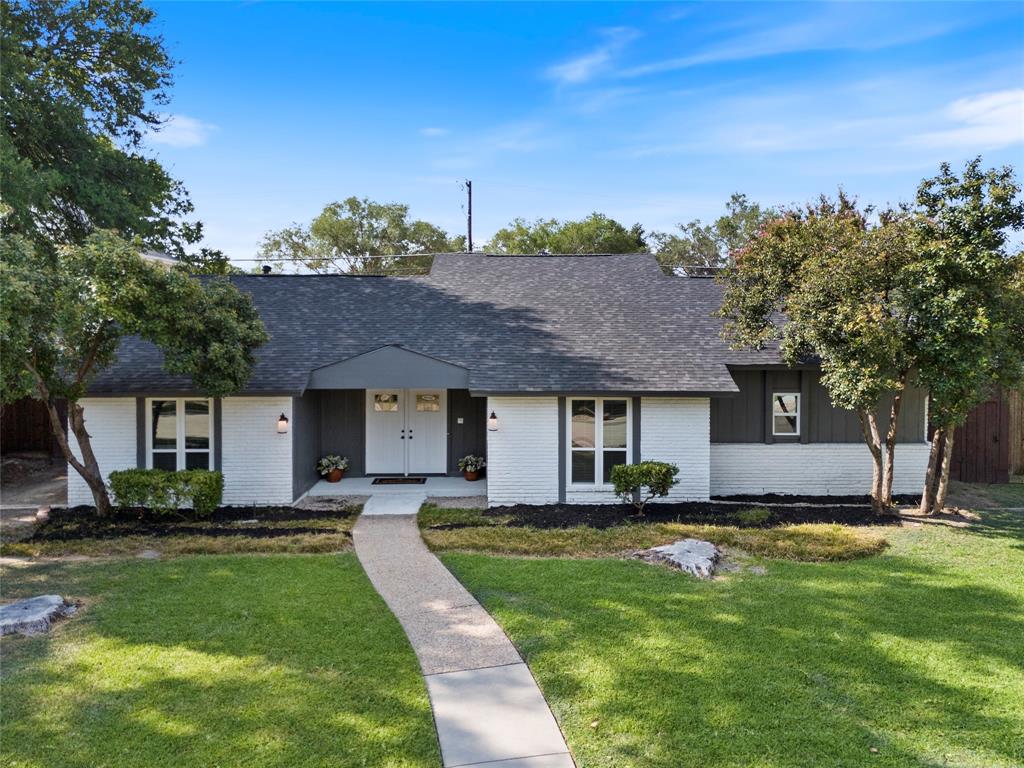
[{"x": 469, "y": 214}]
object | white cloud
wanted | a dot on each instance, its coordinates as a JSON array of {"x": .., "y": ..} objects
[
  {"x": 585, "y": 67},
  {"x": 181, "y": 131},
  {"x": 986, "y": 121},
  {"x": 433, "y": 132},
  {"x": 839, "y": 27}
]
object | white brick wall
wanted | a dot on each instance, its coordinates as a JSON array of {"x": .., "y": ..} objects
[
  {"x": 678, "y": 430},
  {"x": 110, "y": 422},
  {"x": 522, "y": 456},
  {"x": 257, "y": 461},
  {"x": 815, "y": 468}
]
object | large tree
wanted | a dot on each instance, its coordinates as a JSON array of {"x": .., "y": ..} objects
[
  {"x": 837, "y": 279},
  {"x": 710, "y": 246},
  {"x": 358, "y": 235},
  {"x": 63, "y": 315},
  {"x": 79, "y": 86},
  {"x": 594, "y": 234},
  {"x": 967, "y": 293}
]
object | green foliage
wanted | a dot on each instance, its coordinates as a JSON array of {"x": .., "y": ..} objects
[
  {"x": 595, "y": 234},
  {"x": 165, "y": 492},
  {"x": 78, "y": 86},
  {"x": 208, "y": 261},
  {"x": 699, "y": 245},
  {"x": 839, "y": 282},
  {"x": 630, "y": 480},
  {"x": 967, "y": 289},
  {"x": 472, "y": 463},
  {"x": 347, "y": 236},
  {"x": 62, "y": 318},
  {"x": 329, "y": 462}
]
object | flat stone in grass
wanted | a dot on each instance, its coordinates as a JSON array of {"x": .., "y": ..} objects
[
  {"x": 33, "y": 615},
  {"x": 693, "y": 556}
]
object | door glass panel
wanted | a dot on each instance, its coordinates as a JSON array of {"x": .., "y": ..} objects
[
  {"x": 583, "y": 425},
  {"x": 165, "y": 426},
  {"x": 612, "y": 459},
  {"x": 614, "y": 424},
  {"x": 385, "y": 402},
  {"x": 197, "y": 424},
  {"x": 582, "y": 466},
  {"x": 429, "y": 402}
]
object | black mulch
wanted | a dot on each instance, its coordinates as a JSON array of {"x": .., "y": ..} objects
[
  {"x": 82, "y": 522},
  {"x": 781, "y": 498},
  {"x": 706, "y": 513}
]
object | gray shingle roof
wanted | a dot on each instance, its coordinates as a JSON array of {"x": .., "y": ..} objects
[{"x": 518, "y": 323}]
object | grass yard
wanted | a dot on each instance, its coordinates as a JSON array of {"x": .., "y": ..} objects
[
  {"x": 275, "y": 660},
  {"x": 913, "y": 657}
]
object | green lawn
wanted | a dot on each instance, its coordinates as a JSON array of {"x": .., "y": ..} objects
[
  {"x": 917, "y": 653},
  {"x": 213, "y": 661}
]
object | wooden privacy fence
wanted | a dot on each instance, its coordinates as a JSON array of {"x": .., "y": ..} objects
[
  {"x": 989, "y": 447},
  {"x": 25, "y": 426}
]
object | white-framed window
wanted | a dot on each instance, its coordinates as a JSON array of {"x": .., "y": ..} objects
[
  {"x": 179, "y": 433},
  {"x": 600, "y": 436},
  {"x": 785, "y": 414}
]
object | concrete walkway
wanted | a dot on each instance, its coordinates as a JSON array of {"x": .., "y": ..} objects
[{"x": 487, "y": 707}]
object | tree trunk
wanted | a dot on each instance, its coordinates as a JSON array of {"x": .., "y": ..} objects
[
  {"x": 932, "y": 473},
  {"x": 947, "y": 462},
  {"x": 88, "y": 467},
  {"x": 890, "y": 443},
  {"x": 869, "y": 429}
]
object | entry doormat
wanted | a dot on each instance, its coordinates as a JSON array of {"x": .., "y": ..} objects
[{"x": 398, "y": 481}]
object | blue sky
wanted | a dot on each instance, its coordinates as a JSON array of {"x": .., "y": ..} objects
[{"x": 646, "y": 112}]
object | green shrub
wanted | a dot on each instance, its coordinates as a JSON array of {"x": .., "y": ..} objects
[
  {"x": 165, "y": 492},
  {"x": 630, "y": 480}
]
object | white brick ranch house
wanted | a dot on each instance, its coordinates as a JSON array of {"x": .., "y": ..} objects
[{"x": 584, "y": 362}]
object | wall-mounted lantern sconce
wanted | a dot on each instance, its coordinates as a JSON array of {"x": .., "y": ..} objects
[
  {"x": 282, "y": 424},
  {"x": 492, "y": 422}
]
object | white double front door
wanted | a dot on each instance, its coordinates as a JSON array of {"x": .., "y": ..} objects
[{"x": 406, "y": 431}]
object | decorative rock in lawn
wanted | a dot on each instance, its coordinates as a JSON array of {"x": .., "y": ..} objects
[
  {"x": 34, "y": 615},
  {"x": 696, "y": 557}
]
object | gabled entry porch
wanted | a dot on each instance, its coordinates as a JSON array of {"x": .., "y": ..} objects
[{"x": 390, "y": 412}]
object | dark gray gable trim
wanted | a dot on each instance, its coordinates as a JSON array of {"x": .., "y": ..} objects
[
  {"x": 389, "y": 366},
  {"x": 636, "y": 430},
  {"x": 218, "y": 434},
  {"x": 561, "y": 450},
  {"x": 140, "y": 432}
]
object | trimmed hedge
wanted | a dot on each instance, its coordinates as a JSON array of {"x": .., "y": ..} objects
[{"x": 164, "y": 492}]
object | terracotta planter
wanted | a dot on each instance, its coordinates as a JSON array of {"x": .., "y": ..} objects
[
  {"x": 471, "y": 476},
  {"x": 335, "y": 475}
]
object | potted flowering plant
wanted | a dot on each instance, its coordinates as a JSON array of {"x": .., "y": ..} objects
[
  {"x": 471, "y": 466},
  {"x": 332, "y": 467}
]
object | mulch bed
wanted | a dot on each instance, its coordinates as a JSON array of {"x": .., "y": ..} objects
[
  {"x": 701, "y": 512},
  {"x": 82, "y": 522},
  {"x": 780, "y": 498}
]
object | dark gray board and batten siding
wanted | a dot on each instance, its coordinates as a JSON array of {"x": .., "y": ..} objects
[{"x": 746, "y": 418}]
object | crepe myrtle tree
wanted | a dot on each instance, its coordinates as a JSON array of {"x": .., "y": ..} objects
[
  {"x": 837, "y": 274},
  {"x": 63, "y": 315},
  {"x": 967, "y": 289}
]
